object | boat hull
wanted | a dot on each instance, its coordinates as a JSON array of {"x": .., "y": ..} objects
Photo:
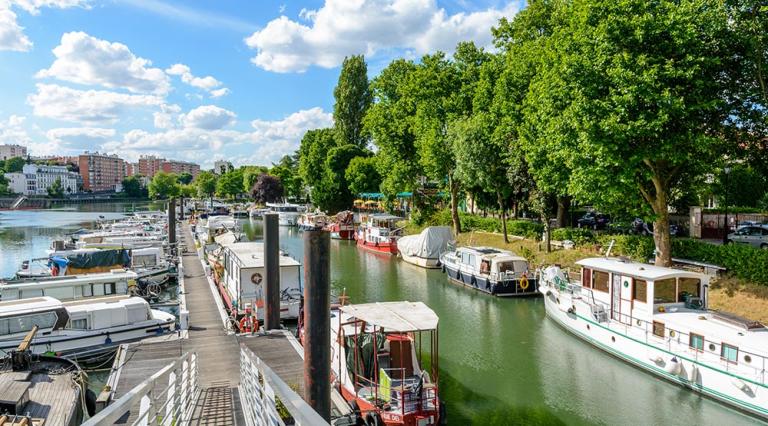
[
  {"x": 424, "y": 262},
  {"x": 384, "y": 248},
  {"x": 507, "y": 288},
  {"x": 702, "y": 378}
]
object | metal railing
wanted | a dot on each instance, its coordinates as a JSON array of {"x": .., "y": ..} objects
[
  {"x": 172, "y": 404},
  {"x": 261, "y": 390}
]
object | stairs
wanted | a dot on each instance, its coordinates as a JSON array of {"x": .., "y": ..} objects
[{"x": 18, "y": 202}]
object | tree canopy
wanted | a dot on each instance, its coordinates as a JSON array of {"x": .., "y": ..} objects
[
  {"x": 353, "y": 97},
  {"x": 133, "y": 188},
  {"x": 362, "y": 176},
  {"x": 206, "y": 184},
  {"x": 163, "y": 186},
  {"x": 267, "y": 189}
]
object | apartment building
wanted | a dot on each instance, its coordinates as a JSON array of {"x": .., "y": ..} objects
[
  {"x": 149, "y": 165},
  {"x": 101, "y": 172},
  {"x": 10, "y": 151},
  {"x": 35, "y": 179}
]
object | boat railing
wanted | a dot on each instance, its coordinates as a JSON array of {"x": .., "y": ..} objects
[
  {"x": 406, "y": 394},
  {"x": 173, "y": 403}
]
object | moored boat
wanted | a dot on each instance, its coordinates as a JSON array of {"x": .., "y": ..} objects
[
  {"x": 656, "y": 318},
  {"x": 490, "y": 270},
  {"x": 425, "y": 248},
  {"x": 288, "y": 214},
  {"x": 379, "y": 233},
  {"x": 343, "y": 226},
  {"x": 312, "y": 221}
]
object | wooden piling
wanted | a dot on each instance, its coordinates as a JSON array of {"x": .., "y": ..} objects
[{"x": 272, "y": 272}]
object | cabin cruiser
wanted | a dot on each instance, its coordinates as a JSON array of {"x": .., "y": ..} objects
[
  {"x": 379, "y": 233},
  {"x": 425, "y": 248},
  {"x": 288, "y": 214},
  {"x": 257, "y": 213},
  {"x": 78, "y": 287},
  {"x": 213, "y": 226},
  {"x": 490, "y": 270},
  {"x": 375, "y": 366},
  {"x": 72, "y": 326},
  {"x": 342, "y": 226},
  {"x": 656, "y": 319},
  {"x": 312, "y": 221}
]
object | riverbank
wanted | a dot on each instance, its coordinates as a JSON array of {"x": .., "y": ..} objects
[{"x": 727, "y": 294}]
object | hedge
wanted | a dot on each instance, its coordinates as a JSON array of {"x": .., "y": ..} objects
[
  {"x": 580, "y": 236},
  {"x": 469, "y": 222}
]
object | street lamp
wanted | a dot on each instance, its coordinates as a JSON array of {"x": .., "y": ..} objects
[{"x": 727, "y": 171}]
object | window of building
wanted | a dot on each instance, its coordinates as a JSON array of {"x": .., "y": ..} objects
[
  {"x": 600, "y": 281},
  {"x": 729, "y": 353},
  {"x": 688, "y": 286},
  {"x": 586, "y": 277},
  {"x": 664, "y": 291},
  {"x": 658, "y": 329},
  {"x": 696, "y": 342},
  {"x": 640, "y": 291}
]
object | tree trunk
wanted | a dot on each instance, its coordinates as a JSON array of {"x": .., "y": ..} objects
[
  {"x": 515, "y": 211},
  {"x": 661, "y": 231},
  {"x": 563, "y": 210},
  {"x": 454, "y": 188},
  {"x": 547, "y": 240},
  {"x": 500, "y": 200},
  {"x": 472, "y": 197}
]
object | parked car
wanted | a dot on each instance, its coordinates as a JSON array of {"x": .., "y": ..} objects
[
  {"x": 593, "y": 220},
  {"x": 756, "y": 236}
]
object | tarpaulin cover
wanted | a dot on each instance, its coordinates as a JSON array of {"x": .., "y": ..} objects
[
  {"x": 365, "y": 353},
  {"x": 428, "y": 245},
  {"x": 98, "y": 258}
]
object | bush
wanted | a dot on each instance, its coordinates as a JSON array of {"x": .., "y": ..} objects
[
  {"x": 639, "y": 248},
  {"x": 469, "y": 222},
  {"x": 580, "y": 236}
]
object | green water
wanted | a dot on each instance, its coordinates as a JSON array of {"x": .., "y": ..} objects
[{"x": 502, "y": 362}]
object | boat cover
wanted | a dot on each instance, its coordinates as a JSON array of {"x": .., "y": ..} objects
[
  {"x": 366, "y": 353},
  {"x": 398, "y": 317},
  {"x": 429, "y": 244},
  {"x": 93, "y": 259}
]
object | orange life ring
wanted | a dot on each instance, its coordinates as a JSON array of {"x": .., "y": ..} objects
[{"x": 246, "y": 324}]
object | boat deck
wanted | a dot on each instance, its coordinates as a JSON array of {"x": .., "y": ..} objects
[{"x": 54, "y": 397}]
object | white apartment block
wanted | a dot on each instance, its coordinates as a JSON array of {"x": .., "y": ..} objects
[
  {"x": 10, "y": 151},
  {"x": 36, "y": 179}
]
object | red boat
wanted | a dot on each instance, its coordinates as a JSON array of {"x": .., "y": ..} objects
[
  {"x": 379, "y": 234},
  {"x": 343, "y": 226}
]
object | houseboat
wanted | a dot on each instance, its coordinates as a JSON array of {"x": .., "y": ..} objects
[
  {"x": 425, "y": 248},
  {"x": 379, "y": 233},
  {"x": 385, "y": 378},
  {"x": 656, "y": 319},
  {"x": 312, "y": 221},
  {"x": 72, "y": 287},
  {"x": 343, "y": 226},
  {"x": 239, "y": 273},
  {"x": 72, "y": 326},
  {"x": 490, "y": 270},
  {"x": 288, "y": 214}
]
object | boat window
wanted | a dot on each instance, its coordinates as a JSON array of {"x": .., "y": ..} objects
[
  {"x": 3, "y": 327},
  {"x": 658, "y": 328},
  {"x": 485, "y": 266},
  {"x": 109, "y": 288},
  {"x": 506, "y": 267},
  {"x": 729, "y": 353},
  {"x": 640, "y": 291},
  {"x": 465, "y": 258},
  {"x": 472, "y": 259},
  {"x": 696, "y": 342},
  {"x": 24, "y": 324},
  {"x": 87, "y": 290},
  {"x": 687, "y": 286},
  {"x": 664, "y": 291},
  {"x": 79, "y": 324},
  {"x": 586, "y": 277},
  {"x": 600, "y": 281}
]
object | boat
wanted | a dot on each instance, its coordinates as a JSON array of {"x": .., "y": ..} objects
[
  {"x": 425, "y": 248},
  {"x": 656, "y": 319},
  {"x": 379, "y": 233},
  {"x": 342, "y": 226},
  {"x": 240, "y": 214},
  {"x": 78, "y": 287},
  {"x": 312, "y": 221},
  {"x": 239, "y": 273},
  {"x": 257, "y": 213},
  {"x": 288, "y": 214},
  {"x": 71, "y": 326},
  {"x": 490, "y": 270},
  {"x": 374, "y": 362}
]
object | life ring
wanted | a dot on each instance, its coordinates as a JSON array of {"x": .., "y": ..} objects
[
  {"x": 246, "y": 324},
  {"x": 524, "y": 282},
  {"x": 256, "y": 278},
  {"x": 54, "y": 270}
]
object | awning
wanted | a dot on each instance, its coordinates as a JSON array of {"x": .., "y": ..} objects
[{"x": 395, "y": 316}]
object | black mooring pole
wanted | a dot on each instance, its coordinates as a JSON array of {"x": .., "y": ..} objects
[
  {"x": 272, "y": 270},
  {"x": 172, "y": 224},
  {"x": 181, "y": 207},
  {"x": 317, "y": 321}
]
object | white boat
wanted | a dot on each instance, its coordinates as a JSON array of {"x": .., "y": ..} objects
[
  {"x": 257, "y": 213},
  {"x": 312, "y": 221},
  {"x": 656, "y": 319},
  {"x": 288, "y": 214},
  {"x": 490, "y": 270},
  {"x": 68, "y": 327},
  {"x": 425, "y": 248},
  {"x": 72, "y": 287}
]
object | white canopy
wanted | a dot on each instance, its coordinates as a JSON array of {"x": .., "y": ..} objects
[
  {"x": 395, "y": 316},
  {"x": 429, "y": 244}
]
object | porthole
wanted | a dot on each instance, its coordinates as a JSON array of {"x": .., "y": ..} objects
[
  {"x": 712, "y": 347},
  {"x": 613, "y": 339},
  {"x": 671, "y": 333},
  {"x": 747, "y": 358},
  {"x": 639, "y": 323}
]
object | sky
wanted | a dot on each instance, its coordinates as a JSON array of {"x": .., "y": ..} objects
[{"x": 238, "y": 80}]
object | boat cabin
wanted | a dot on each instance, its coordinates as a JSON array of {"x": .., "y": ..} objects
[
  {"x": 17, "y": 317},
  {"x": 284, "y": 207},
  {"x": 381, "y": 225},
  {"x": 71, "y": 287}
]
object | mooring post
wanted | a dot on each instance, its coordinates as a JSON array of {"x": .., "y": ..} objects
[
  {"x": 181, "y": 207},
  {"x": 317, "y": 321},
  {"x": 172, "y": 224},
  {"x": 272, "y": 272}
]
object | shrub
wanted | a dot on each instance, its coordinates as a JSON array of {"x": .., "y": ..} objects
[
  {"x": 469, "y": 222},
  {"x": 580, "y": 236}
]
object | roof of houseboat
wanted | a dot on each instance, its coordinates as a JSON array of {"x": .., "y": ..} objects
[
  {"x": 395, "y": 316},
  {"x": 100, "y": 277},
  {"x": 751, "y": 337},
  {"x": 28, "y": 305},
  {"x": 252, "y": 255},
  {"x": 636, "y": 269},
  {"x": 225, "y": 239},
  {"x": 491, "y": 252},
  {"x": 383, "y": 216}
]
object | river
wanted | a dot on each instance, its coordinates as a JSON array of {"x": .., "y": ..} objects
[{"x": 502, "y": 361}]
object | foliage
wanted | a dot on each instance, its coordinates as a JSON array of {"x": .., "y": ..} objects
[
  {"x": 230, "y": 184},
  {"x": 267, "y": 189},
  {"x": 14, "y": 165},
  {"x": 250, "y": 175},
  {"x": 164, "y": 185},
  {"x": 185, "y": 178},
  {"x": 4, "y": 190},
  {"x": 333, "y": 194},
  {"x": 287, "y": 169},
  {"x": 206, "y": 184},
  {"x": 133, "y": 188},
  {"x": 188, "y": 191},
  {"x": 56, "y": 190},
  {"x": 744, "y": 187},
  {"x": 353, "y": 97},
  {"x": 312, "y": 155},
  {"x": 470, "y": 222},
  {"x": 580, "y": 236},
  {"x": 362, "y": 176}
]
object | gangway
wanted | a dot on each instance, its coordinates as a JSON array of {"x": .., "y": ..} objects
[{"x": 18, "y": 202}]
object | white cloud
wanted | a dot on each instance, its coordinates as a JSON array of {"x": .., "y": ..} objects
[
  {"x": 343, "y": 27},
  {"x": 83, "y": 59},
  {"x": 167, "y": 117},
  {"x": 34, "y": 6},
  {"x": 208, "y": 117},
  {"x": 12, "y": 132},
  {"x": 207, "y": 83},
  {"x": 12, "y": 35},
  {"x": 68, "y": 133},
  {"x": 85, "y": 106},
  {"x": 293, "y": 127}
]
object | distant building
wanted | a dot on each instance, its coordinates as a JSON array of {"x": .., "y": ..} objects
[
  {"x": 179, "y": 167},
  {"x": 221, "y": 166},
  {"x": 149, "y": 165},
  {"x": 132, "y": 169},
  {"x": 11, "y": 151},
  {"x": 35, "y": 179},
  {"x": 101, "y": 172},
  {"x": 17, "y": 183}
]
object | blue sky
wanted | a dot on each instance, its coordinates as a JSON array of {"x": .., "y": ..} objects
[{"x": 203, "y": 80}]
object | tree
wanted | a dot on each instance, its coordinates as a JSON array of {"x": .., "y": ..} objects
[
  {"x": 287, "y": 170},
  {"x": 185, "y": 178},
  {"x": 206, "y": 184},
  {"x": 353, "y": 97},
  {"x": 333, "y": 194},
  {"x": 250, "y": 174},
  {"x": 132, "y": 187},
  {"x": 14, "y": 165},
  {"x": 362, "y": 176},
  {"x": 312, "y": 154},
  {"x": 188, "y": 190},
  {"x": 230, "y": 184},
  {"x": 267, "y": 189},
  {"x": 4, "y": 190},
  {"x": 163, "y": 186},
  {"x": 56, "y": 190}
]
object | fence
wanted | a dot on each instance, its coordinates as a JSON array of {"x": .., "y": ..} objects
[
  {"x": 260, "y": 391},
  {"x": 171, "y": 405}
]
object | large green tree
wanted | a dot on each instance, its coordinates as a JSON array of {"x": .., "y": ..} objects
[
  {"x": 362, "y": 176},
  {"x": 250, "y": 175},
  {"x": 164, "y": 185},
  {"x": 56, "y": 190},
  {"x": 230, "y": 184},
  {"x": 333, "y": 194},
  {"x": 206, "y": 184},
  {"x": 353, "y": 97},
  {"x": 185, "y": 178},
  {"x": 312, "y": 154},
  {"x": 133, "y": 188},
  {"x": 287, "y": 170},
  {"x": 14, "y": 165}
]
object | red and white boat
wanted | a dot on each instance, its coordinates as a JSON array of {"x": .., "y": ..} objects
[
  {"x": 379, "y": 233},
  {"x": 384, "y": 378},
  {"x": 343, "y": 226}
]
